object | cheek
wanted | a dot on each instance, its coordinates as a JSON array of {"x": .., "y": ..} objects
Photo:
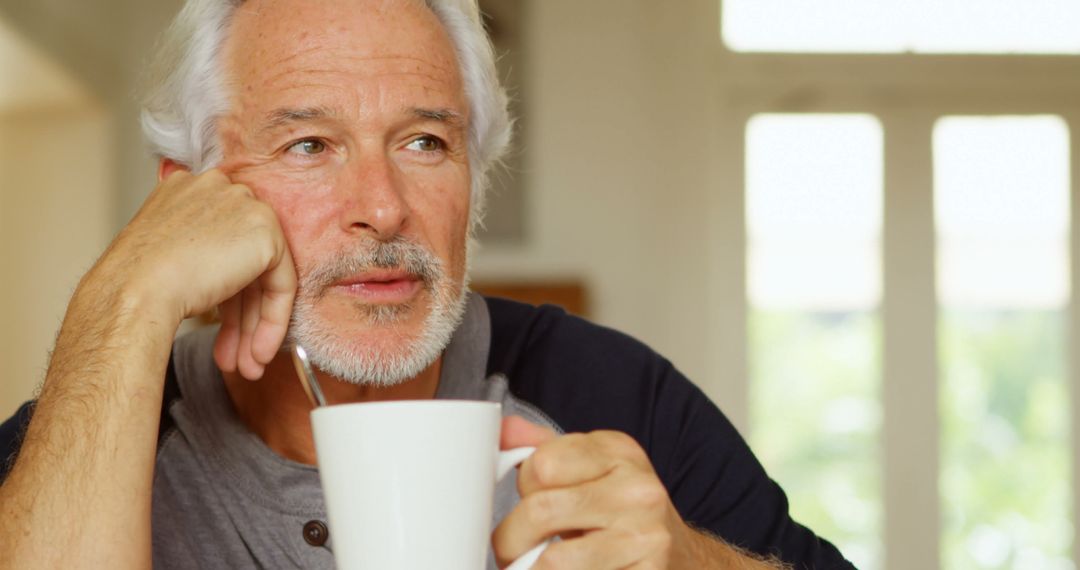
[
  {"x": 301, "y": 206},
  {"x": 444, "y": 214},
  {"x": 460, "y": 229}
]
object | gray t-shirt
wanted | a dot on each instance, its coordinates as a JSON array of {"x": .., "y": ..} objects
[{"x": 223, "y": 499}]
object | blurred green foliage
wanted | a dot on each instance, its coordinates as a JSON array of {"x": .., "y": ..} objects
[
  {"x": 1005, "y": 467},
  {"x": 815, "y": 421}
]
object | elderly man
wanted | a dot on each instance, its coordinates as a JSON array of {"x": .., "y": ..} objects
[{"x": 322, "y": 164}]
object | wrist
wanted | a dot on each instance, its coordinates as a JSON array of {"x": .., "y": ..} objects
[
  {"x": 692, "y": 549},
  {"x": 112, "y": 347},
  {"x": 113, "y": 319},
  {"x": 701, "y": 549},
  {"x": 119, "y": 295}
]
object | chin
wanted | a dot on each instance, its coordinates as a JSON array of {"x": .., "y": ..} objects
[{"x": 376, "y": 344}]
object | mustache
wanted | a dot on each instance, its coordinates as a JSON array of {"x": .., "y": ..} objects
[{"x": 398, "y": 253}]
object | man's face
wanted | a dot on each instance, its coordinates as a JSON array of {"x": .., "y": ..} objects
[{"x": 349, "y": 119}]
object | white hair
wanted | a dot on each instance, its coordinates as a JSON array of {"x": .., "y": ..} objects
[{"x": 186, "y": 91}]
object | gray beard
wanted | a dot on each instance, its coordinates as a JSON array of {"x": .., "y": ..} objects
[{"x": 379, "y": 364}]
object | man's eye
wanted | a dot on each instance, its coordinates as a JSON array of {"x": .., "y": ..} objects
[
  {"x": 310, "y": 146},
  {"x": 426, "y": 144}
]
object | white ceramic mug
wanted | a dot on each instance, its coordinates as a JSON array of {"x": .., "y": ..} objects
[{"x": 410, "y": 484}]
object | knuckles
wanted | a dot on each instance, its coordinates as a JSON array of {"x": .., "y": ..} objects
[
  {"x": 177, "y": 178},
  {"x": 545, "y": 467},
  {"x": 241, "y": 190},
  {"x": 646, "y": 493},
  {"x": 214, "y": 177},
  {"x": 260, "y": 216},
  {"x": 620, "y": 445},
  {"x": 539, "y": 509},
  {"x": 544, "y": 510}
]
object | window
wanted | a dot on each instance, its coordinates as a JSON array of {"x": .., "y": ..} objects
[
  {"x": 954, "y": 310},
  {"x": 814, "y": 191},
  {"x": 1002, "y": 217},
  {"x": 896, "y": 26}
]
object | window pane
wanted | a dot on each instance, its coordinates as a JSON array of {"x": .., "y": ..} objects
[
  {"x": 813, "y": 211},
  {"x": 1002, "y": 206},
  {"x": 814, "y": 194},
  {"x": 894, "y": 26}
]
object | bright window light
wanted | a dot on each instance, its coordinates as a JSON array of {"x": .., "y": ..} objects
[
  {"x": 1002, "y": 211},
  {"x": 814, "y": 221},
  {"x": 814, "y": 199},
  {"x": 896, "y": 26},
  {"x": 1001, "y": 187}
]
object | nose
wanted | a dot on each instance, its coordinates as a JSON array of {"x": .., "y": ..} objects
[{"x": 372, "y": 195}]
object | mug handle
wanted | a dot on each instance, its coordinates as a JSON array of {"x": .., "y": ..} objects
[{"x": 508, "y": 460}]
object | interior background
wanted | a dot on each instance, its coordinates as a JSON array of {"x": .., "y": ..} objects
[{"x": 629, "y": 181}]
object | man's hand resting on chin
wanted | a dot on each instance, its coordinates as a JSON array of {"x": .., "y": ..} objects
[{"x": 202, "y": 241}]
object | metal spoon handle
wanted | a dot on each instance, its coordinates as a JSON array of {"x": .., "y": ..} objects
[{"x": 307, "y": 376}]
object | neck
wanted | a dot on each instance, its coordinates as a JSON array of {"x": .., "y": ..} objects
[{"x": 276, "y": 409}]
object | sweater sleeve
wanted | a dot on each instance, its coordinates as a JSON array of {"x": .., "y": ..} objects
[
  {"x": 717, "y": 484},
  {"x": 586, "y": 377},
  {"x": 11, "y": 436}
]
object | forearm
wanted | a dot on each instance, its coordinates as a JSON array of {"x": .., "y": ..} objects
[
  {"x": 703, "y": 550},
  {"x": 79, "y": 493}
]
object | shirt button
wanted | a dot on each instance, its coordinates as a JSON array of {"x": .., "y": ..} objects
[{"x": 315, "y": 533}]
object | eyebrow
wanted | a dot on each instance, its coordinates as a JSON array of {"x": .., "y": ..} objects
[
  {"x": 448, "y": 116},
  {"x": 283, "y": 116}
]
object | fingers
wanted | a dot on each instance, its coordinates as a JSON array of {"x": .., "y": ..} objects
[
  {"x": 267, "y": 309},
  {"x": 599, "y": 492},
  {"x": 519, "y": 432},
  {"x": 255, "y": 320},
  {"x": 249, "y": 320},
  {"x": 227, "y": 344},
  {"x": 278, "y": 293},
  {"x": 626, "y": 503},
  {"x": 577, "y": 458},
  {"x": 203, "y": 241},
  {"x": 545, "y": 514}
]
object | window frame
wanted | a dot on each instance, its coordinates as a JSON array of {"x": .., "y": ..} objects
[{"x": 907, "y": 93}]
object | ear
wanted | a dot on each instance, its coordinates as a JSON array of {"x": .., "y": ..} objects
[{"x": 167, "y": 166}]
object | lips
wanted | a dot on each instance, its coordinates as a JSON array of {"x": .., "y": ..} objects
[{"x": 380, "y": 286}]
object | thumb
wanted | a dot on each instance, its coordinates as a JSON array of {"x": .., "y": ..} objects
[{"x": 519, "y": 432}]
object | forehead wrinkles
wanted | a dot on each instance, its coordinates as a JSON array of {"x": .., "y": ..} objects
[
  {"x": 272, "y": 47},
  {"x": 327, "y": 36},
  {"x": 300, "y": 68}
]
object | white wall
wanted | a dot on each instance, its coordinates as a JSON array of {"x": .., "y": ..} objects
[
  {"x": 622, "y": 176},
  {"x": 72, "y": 163},
  {"x": 103, "y": 45},
  {"x": 55, "y": 199},
  {"x": 56, "y": 203}
]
